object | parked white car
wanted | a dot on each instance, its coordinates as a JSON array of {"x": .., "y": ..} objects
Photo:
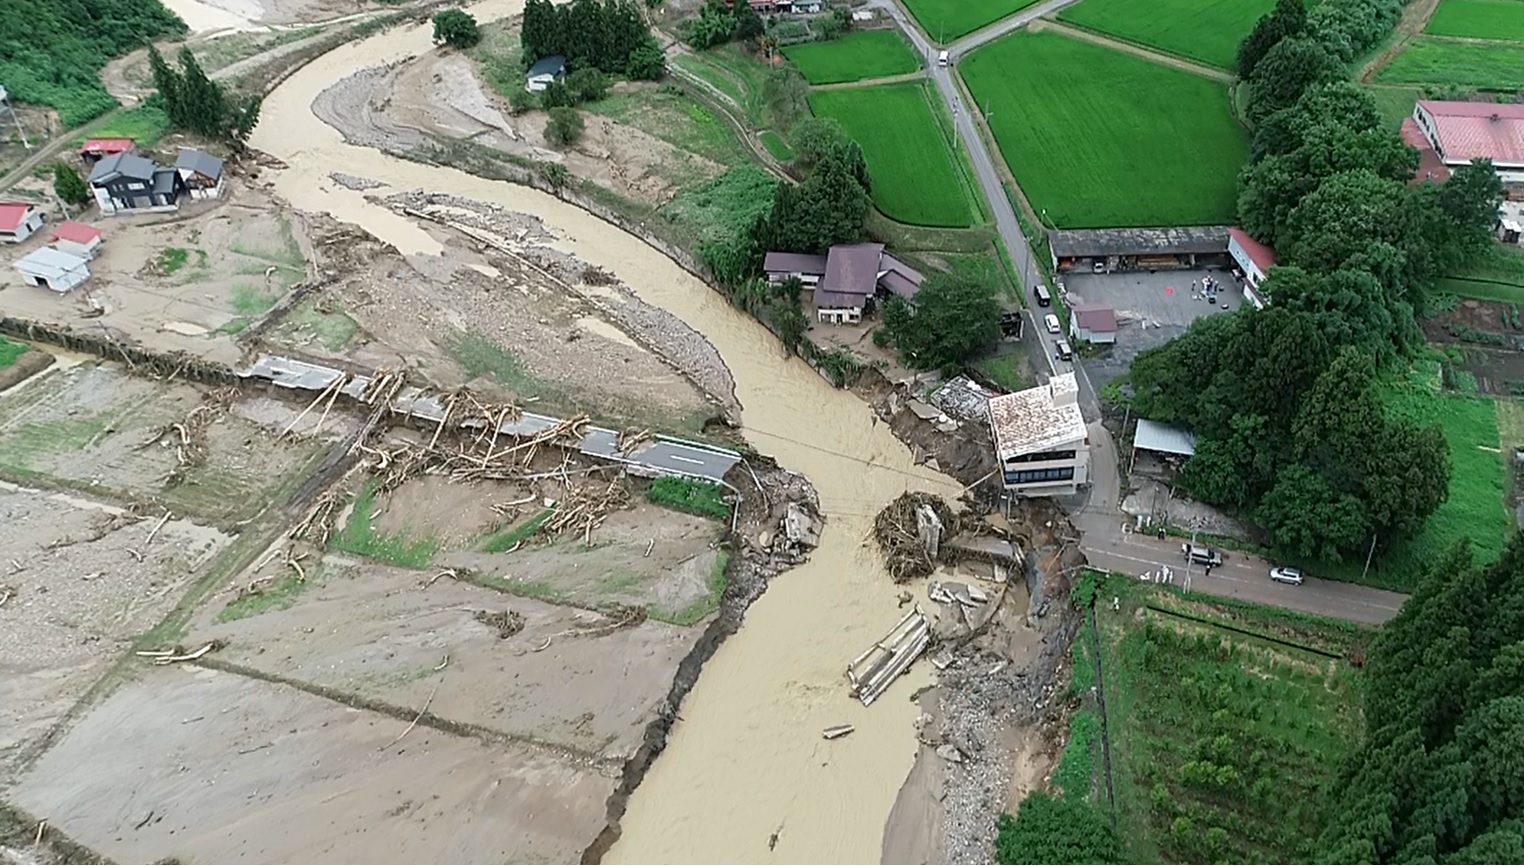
[
  {"x": 1050, "y": 322},
  {"x": 1284, "y": 574}
]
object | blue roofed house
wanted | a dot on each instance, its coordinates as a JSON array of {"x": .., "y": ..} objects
[{"x": 128, "y": 183}]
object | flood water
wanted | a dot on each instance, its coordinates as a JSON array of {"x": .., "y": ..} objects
[{"x": 747, "y": 758}]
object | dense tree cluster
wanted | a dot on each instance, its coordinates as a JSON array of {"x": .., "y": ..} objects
[
  {"x": 829, "y": 205},
  {"x": 1290, "y": 427},
  {"x": 951, "y": 319},
  {"x": 68, "y": 185},
  {"x": 196, "y": 103},
  {"x": 456, "y": 28},
  {"x": 1440, "y": 777},
  {"x": 604, "y": 34},
  {"x": 51, "y": 53},
  {"x": 717, "y": 24}
]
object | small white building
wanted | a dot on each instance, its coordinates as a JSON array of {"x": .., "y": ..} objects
[
  {"x": 1093, "y": 323},
  {"x": 1041, "y": 442},
  {"x": 1254, "y": 259},
  {"x": 77, "y": 239},
  {"x": 543, "y": 72},
  {"x": 52, "y": 269},
  {"x": 18, "y": 221}
]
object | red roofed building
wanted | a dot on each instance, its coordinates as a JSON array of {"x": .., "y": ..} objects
[
  {"x": 18, "y": 221},
  {"x": 1462, "y": 131},
  {"x": 77, "y": 238},
  {"x": 96, "y": 149},
  {"x": 1430, "y": 166},
  {"x": 1254, "y": 259}
]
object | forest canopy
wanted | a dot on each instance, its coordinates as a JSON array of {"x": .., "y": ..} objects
[{"x": 51, "y": 53}]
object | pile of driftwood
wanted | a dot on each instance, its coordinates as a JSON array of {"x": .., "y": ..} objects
[
  {"x": 585, "y": 508},
  {"x": 189, "y": 434},
  {"x": 909, "y": 531}
]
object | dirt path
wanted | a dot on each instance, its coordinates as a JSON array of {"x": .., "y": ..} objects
[
  {"x": 872, "y": 82},
  {"x": 1415, "y": 17},
  {"x": 1135, "y": 50}
]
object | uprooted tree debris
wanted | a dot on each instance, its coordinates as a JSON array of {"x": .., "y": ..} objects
[
  {"x": 507, "y": 622},
  {"x": 189, "y": 434},
  {"x": 910, "y": 530}
]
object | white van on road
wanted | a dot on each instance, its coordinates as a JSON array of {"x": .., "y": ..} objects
[{"x": 944, "y": 59}]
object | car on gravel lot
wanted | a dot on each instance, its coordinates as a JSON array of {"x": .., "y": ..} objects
[
  {"x": 1050, "y": 322},
  {"x": 1286, "y": 574}
]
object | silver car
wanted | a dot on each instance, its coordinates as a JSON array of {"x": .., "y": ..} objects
[{"x": 1284, "y": 574}]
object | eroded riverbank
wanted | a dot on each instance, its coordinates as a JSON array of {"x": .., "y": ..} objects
[{"x": 745, "y": 760}]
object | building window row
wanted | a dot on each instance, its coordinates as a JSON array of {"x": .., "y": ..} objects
[
  {"x": 1041, "y": 457},
  {"x": 1032, "y": 476}
]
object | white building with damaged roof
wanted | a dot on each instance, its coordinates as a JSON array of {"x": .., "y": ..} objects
[{"x": 1041, "y": 442}]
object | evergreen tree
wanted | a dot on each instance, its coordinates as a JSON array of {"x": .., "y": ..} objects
[{"x": 68, "y": 185}]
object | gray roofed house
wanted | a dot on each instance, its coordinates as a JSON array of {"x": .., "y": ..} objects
[
  {"x": 201, "y": 172},
  {"x": 897, "y": 277},
  {"x": 128, "y": 182},
  {"x": 119, "y": 165},
  {"x": 807, "y": 268},
  {"x": 543, "y": 72},
  {"x": 850, "y": 280}
]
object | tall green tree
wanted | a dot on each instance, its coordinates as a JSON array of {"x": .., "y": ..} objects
[
  {"x": 950, "y": 319},
  {"x": 1286, "y": 71},
  {"x": 456, "y": 28},
  {"x": 68, "y": 185},
  {"x": 1288, "y": 18},
  {"x": 828, "y": 207}
]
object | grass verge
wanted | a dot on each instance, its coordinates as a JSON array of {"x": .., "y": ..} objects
[
  {"x": 359, "y": 536},
  {"x": 693, "y": 497}
]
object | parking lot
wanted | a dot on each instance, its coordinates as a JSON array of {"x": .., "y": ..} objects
[{"x": 1152, "y": 308}]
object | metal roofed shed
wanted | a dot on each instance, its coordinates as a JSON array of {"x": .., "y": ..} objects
[
  {"x": 1131, "y": 249},
  {"x": 1158, "y": 438},
  {"x": 52, "y": 269}
]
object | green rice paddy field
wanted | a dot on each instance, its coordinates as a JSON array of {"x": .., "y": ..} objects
[
  {"x": 947, "y": 20},
  {"x": 1098, "y": 138},
  {"x": 1479, "y": 19},
  {"x": 916, "y": 178},
  {"x": 858, "y": 56},
  {"x": 1479, "y": 65},
  {"x": 1204, "y": 30}
]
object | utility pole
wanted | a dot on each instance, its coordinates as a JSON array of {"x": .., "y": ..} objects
[
  {"x": 1368, "y": 555},
  {"x": 1195, "y": 528}
]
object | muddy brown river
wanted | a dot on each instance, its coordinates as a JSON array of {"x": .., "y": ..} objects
[{"x": 746, "y": 759}]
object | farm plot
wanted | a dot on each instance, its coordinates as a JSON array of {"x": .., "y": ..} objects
[
  {"x": 1222, "y": 742},
  {"x": 1098, "y": 138},
  {"x": 858, "y": 56},
  {"x": 916, "y": 178},
  {"x": 1206, "y": 31},
  {"x": 1478, "y": 19},
  {"x": 1497, "y": 66},
  {"x": 95, "y": 427},
  {"x": 947, "y": 20}
]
